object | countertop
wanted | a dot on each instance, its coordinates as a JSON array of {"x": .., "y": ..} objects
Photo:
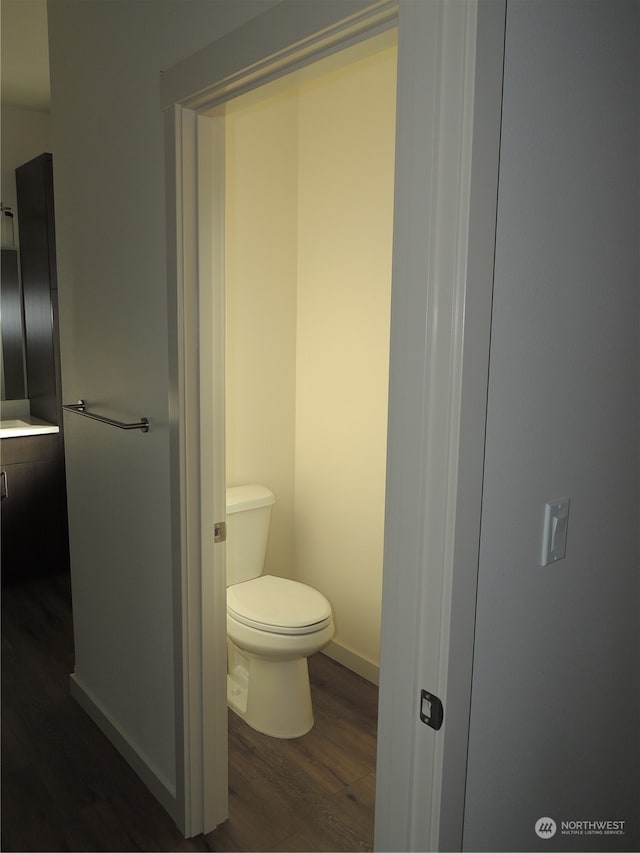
[{"x": 14, "y": 427}]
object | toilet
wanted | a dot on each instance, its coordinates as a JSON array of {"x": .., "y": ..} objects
[{"x": 273, "y": 625}]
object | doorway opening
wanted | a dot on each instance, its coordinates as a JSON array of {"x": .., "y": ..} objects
[
  {"x": 308, "y": 231},
  {"x": 309, "y": 172},
  {"x": 447, "y": 140}
]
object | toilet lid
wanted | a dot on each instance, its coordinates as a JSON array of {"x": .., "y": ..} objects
[{"x": 279, "y": 605}]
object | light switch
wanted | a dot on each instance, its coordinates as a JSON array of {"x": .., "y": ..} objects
[{"x": 554, "y": 534}]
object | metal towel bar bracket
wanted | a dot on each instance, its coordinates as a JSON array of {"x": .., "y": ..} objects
[{"x": 80, "y": 409}]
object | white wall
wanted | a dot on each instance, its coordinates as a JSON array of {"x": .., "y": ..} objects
[
  {"x": 109, "y": 177},
  {"x": 554, "y": 723},
  {"x": 310, "y": 205},
  {"x": 25, "y": 135}
]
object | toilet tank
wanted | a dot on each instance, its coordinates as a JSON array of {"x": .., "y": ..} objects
[{"x": 248, "y": 517}]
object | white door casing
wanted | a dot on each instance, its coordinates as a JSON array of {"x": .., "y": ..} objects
[
  {"x": 450, "y": 63},
  {"x": 447, "y": 145},
  {"x": 199, "y": 587}
]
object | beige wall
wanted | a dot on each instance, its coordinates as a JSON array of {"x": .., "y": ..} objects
[
  {"x": 309, "y": 277},
  {"x": 345, "y": 195},
  {"x": 261, "y": 223}
]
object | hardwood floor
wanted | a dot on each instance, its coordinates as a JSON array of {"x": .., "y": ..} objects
[{"x": 64, "y": 787}]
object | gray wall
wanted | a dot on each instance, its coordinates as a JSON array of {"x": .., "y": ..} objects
[
  {"x": 555, "y": 712},
  {"x": 109, "y": 171}
]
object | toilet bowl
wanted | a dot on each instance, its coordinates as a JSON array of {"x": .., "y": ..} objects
[{"x": 273, "y": 625}]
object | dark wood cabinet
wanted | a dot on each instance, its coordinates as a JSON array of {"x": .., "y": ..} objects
[
  {"x": 33, "y": 508},
  {"x": 35, "y": 536},
  {"x": 34, "y": 186}
]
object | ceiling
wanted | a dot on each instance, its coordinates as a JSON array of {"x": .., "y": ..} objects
[{"x": 24, "y": 54}]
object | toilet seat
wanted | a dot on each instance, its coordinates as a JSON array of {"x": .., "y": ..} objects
[{"x": 278, "y": 605}]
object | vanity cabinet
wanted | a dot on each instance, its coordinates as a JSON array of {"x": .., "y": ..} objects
[
  {"x": 35, "y": 537},
  {"x": 33, "y": 508}
]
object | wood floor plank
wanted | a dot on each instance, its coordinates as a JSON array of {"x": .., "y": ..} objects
[
  {"x": 342, "y": 822},
  {"x": 261, "y": 808},
  {"x": 315, "y": 758},
  {"x": 346, "y": 705},
  {"x": 29, "y": 821},
  {"x": 66, "y": 788}
]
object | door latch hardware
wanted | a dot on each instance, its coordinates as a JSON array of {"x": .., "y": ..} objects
[
  {"x": 220, "y": 531},
  {"x": 431, "y": 710}
]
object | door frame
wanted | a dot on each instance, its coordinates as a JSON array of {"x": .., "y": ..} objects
[{"x": 447, "y": 149}]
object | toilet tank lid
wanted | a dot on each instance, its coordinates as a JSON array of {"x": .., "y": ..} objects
[{"x": 241, "y": 498}]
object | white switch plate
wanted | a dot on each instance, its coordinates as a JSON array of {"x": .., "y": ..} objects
[{"x": 554, "y": 534}]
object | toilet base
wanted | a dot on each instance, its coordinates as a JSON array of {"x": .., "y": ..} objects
[{"x": 271, "y": 695}]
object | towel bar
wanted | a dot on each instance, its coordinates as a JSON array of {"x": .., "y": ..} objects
[{"x": 80, "y": 409}]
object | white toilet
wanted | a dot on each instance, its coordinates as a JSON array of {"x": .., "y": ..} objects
[{"x": 273, "y": 625}]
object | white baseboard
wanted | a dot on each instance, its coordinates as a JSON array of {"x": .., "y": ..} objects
[
  {"x": 161, "y": 789},
  {"x": 361, "y": 666}
]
